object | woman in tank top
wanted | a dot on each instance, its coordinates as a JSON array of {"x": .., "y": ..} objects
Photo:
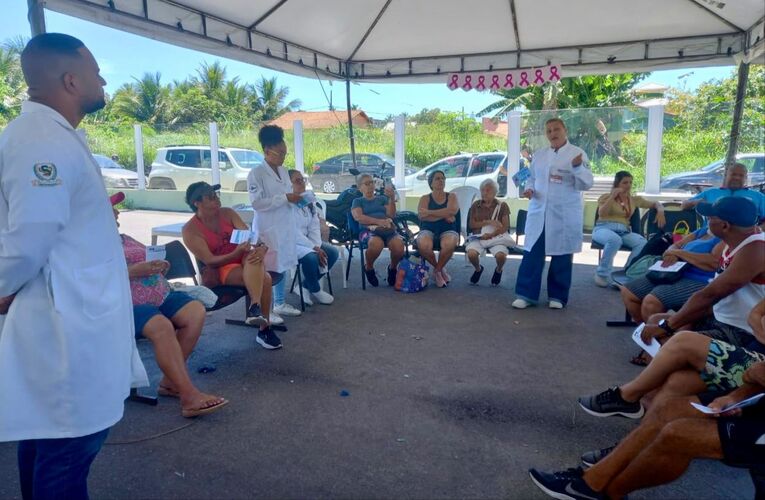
[{"x": 438, "y": 222}]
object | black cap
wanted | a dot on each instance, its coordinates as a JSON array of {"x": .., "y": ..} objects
[{"x": 198, "y": 190}]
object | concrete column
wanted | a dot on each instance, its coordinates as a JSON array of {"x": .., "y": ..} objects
[
  {"x": 513, "y": 150},
  {"x": 214, "y": 163},
  {"x": 36, "y": 16},
  {"x": 653, "y": 149},
  {"x": 139, "y": 166},
  {"x": 297, "y": 131},
  {"x": 400, "y": 157}
]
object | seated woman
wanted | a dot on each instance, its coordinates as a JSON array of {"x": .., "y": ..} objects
[
  {"x": 613, "y": 227},
  {"x": 438, "y": 221},
  {"x": 375, "y": 216},
  {"x": 315, "y": 257},
  {"x": 171, "y": 320},
  {"x": 489, "y": 221},
  {"x": 208, "y": 236}
]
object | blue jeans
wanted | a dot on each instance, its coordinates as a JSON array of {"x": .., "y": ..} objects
[
  {"x": 279, "y": 290},
  {"x": 612, "y": 235},
  {"x": 310, "y": 267},
  {"x": 529, "y": 282},
  {"x": 58, "y": 468}
]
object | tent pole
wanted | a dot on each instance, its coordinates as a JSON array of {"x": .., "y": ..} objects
[
  {"x": 350, "y": 117},
  {"x": 36, "y": 16},
  {"x": 738, "y": 110}
]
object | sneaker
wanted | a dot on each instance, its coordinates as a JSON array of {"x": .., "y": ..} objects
[
  {"x": 371, "y": 277},
  {"x": 255, "y": 316},
  {"x": 323, "y": 297},
  {"x": 391, "y": 276},
  {"x": 440, "y": 281},
  {"x": 601, "y": 281},
  {"x": 446, "y": 276},
  {"x": 496, "y": 277},
  {"x": 275, "y": 319},
  {"x": 268, "y": 339},
  {"x": 555, "y": 304},
  {"x": 609, "y": 403},
  {"x": 521, "y": 303},
  {"x": 476, "y": 276},
  {"x": 306, "y": 297},
  {"x": 592, "y": 457},
  {"x": 286, "y": 310},
  {"x": 568, "y": 484}
]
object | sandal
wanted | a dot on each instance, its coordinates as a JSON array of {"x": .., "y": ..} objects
[
  {"x": 496, "y": 277},
  {"x": 641, "y": 359},
  {"x": 204, "y": 410},
  {"x": 476, "y": 276},
  {"x": 167, "y": 392}
]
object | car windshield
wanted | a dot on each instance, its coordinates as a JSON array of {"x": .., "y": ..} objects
[
  {"x": 105, "y": 162},
  {"x": 247, "y": 158},
  {"x": 387, "y": 159},
  {"x": 712, "y": 166}
]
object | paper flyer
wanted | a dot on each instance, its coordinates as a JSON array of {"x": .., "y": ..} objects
[
  {"x": 240, "y": 236},
  {"x": 652, "y": 348},
  {"x": 155, "y": 252},
  {"x": 741, "y": 404}
]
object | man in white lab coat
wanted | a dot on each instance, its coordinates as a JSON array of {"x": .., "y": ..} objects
[
  {"x": 559, "y": 174},
  {"x": 67, "y": 346}
]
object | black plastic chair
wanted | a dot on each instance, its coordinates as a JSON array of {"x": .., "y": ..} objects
[
  {"x": 299, "y": 279},
  {"x": 635, "y": 226},
  {"x": 674, "y": 215},
  {"x": 354, "y": 228},
  {"x": 520, "y": 224}
]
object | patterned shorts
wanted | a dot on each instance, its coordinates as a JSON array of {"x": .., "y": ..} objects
[{"x": 726, "y": 365}]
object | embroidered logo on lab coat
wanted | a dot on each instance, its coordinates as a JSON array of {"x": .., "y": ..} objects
[{"x": 46, "y": 174}]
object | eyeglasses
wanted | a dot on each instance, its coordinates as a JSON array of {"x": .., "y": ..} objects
[
  {"x": 300, "y": 180},
  {"x": 367, "y": 183}
]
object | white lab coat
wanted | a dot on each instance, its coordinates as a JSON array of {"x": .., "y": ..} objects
[
  {"x": 268, "y": 195},
  {"x": 67, "y": 348},
  {"x": 557, "y": 207},
  {"x": 308, "y": 230}
]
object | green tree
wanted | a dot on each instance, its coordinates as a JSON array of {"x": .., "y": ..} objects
[
  {"x": 192, "y": 106},
  {"x": 146, "y": 100},
  {"x": 211, "y": 78},
  {"x": 13, "y": 88},
  {"x": 268, "y": 99}
]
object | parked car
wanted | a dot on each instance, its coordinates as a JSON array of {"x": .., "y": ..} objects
[
  {"x": 333, "y": 175},
  {"x": 465, "y": 169},
  {"x": 115, "y": 175},
  {"x": 712, "y": 174},
  {"x": 176, "y": 167}
]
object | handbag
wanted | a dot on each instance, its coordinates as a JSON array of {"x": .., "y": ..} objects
[
  {"x": 664, "y": 277},
  {"x": 500, "y": 239},
  {"x": 639, "y": 267},
  {"x": 412, "y": 277},
  {"x": 680, "y": 231}
]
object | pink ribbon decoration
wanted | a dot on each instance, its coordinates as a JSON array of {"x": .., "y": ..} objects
[
  {"x": 481, "y": 83},
  {"x": 468, "y": 85},
  {"x": 509, "y": 80},
  {"x": 524, "y": 79},
  {"x": 453, "y": 83},
  {"x": 538, "y": 77},
  {"x": 554, "y": 73},
  {"x": 494, "y": 82}
]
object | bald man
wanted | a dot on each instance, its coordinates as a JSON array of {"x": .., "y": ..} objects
[{"x": 67, "y": 348}]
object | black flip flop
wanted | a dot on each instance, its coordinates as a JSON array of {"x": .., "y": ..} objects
[{"x": 476, "y": 276}]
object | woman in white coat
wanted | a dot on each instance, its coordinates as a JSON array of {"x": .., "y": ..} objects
[
  {"x": 559, "y": 174},
  {"x": 272, "y": 198}
]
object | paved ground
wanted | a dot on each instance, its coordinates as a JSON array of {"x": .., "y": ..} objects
[{"x": 451, "y": 394}]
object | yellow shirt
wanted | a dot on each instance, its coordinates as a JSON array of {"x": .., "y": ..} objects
[{"x": 622, "y": 213}]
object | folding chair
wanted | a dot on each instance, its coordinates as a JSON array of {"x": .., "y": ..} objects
[
  {"x": 299, "y": 279},
  {"x": 354, "y": 242}
]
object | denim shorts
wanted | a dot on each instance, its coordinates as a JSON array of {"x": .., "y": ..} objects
[
  {"x": 367, "y": 235},
  {"x": 173, "y": 303},
  {"x": 437, "y": 235}
]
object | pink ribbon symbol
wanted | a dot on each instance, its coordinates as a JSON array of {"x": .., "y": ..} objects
[
  {"x": 481, "y": 83},
  {"x": 468, "y": 85},
  {"x": 453, "y": 83},
  {"x": 539, "y": 79},
  {"x": 524, "y": 79},
  {"x": 554, "y": 73},
  {"x": 494, "y": 82},
  {"x": 509, "y": 81}
]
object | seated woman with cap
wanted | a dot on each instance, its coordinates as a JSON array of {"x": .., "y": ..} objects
[
  {"x": 171, "y": 320},
  {"x": 208, "y": 236}
]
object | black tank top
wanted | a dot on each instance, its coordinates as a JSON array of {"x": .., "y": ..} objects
[{"x": 441, "y": 225}]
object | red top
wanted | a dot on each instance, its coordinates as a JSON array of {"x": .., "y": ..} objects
[{"x": 218, "y": 243}]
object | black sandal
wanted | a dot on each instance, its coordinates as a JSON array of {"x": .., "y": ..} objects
[
  {"x": 496, "y": 278},
  {"x": 476, "y": 276},
  {"x": 642, "y": 358}
]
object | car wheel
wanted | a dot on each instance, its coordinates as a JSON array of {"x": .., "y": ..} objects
[
  {"x": 329, "y": 186},
  {"x": 240, "y": 186}
]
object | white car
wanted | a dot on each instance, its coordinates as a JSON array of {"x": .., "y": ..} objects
[
  {"x": 115, "y": 175},
  {"x": 177, "y": 167},
  {"x": 461, "y": 170}
]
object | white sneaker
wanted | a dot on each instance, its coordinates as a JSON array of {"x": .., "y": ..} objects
[
  {"x": 601, "y": 281},
  {"x": 275, "y": 319},
  {"x": 521, "y": 303},
  {"x": 307, "y": 297},
  {"x": 555, "y": 304},
  {"x": 287, "y": 310},
  {"x": 323, "y": 297}
]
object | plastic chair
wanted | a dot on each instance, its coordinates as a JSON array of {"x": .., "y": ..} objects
[
  {"x": 322, "y": 205},
  {"x": 674, "y": 215},
  {"x": 466, "y": 195},
  {"x": 520, "y": 224},
  {"x": 635, "y": 226},
  {"x": 299, "y": 279},
  {"x": 354, "y": 242}
]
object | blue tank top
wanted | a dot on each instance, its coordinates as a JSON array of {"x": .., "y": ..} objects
[
  {"x": 700, "y": 246},
  {"x": 441, "y": 225}
]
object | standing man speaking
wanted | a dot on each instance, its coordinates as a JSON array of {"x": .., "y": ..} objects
[
  {"x": 559, "y": 174},
  {"x": 67, "y": 348}
]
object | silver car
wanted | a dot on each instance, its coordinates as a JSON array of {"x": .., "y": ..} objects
[{"x": 115, "y": 175}]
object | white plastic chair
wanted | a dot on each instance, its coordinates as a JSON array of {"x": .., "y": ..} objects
[{"x": 466, "y": 196}]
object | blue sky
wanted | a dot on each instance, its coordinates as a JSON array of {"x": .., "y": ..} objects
[{"x": 123, "y": 56}]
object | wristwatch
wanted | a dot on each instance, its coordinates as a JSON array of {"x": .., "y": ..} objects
[{"x": 664, "y": 325}]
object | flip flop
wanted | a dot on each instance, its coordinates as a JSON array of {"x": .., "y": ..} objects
[
  {"x": 168, "y": 392},
  {"x": 640, "y": 359},
  {"x": 196, "y": 412}
]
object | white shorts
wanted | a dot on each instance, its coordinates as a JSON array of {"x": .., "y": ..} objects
[{"x": 478, "y": 247}]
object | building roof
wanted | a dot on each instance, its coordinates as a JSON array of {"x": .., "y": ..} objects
[
  {"x": 321, "y": 119},
  {"x": 651, "y": 88}
]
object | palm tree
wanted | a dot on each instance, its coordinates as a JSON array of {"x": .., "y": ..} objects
[
  {"x": 146, "y": 100},
  {"x": 211, "y": 78},
  {"x": 268, "y": 99},
  {"x": 12, "y": 85}
]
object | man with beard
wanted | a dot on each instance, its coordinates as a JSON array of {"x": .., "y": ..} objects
[{"x": 67, "y": 348}]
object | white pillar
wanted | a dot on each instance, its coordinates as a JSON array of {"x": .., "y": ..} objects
[
  {"x": 653, "y": 149},
  {"x": 297, "y": 132},
  {"x": 400, "y": 157},
  {"x": 214, "y": 163},
  {"x": 139, "y": 167},
  {"x": 513, "y": 151}
]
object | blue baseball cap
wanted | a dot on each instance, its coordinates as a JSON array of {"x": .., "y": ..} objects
[{"x": 732, "y": 209}]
